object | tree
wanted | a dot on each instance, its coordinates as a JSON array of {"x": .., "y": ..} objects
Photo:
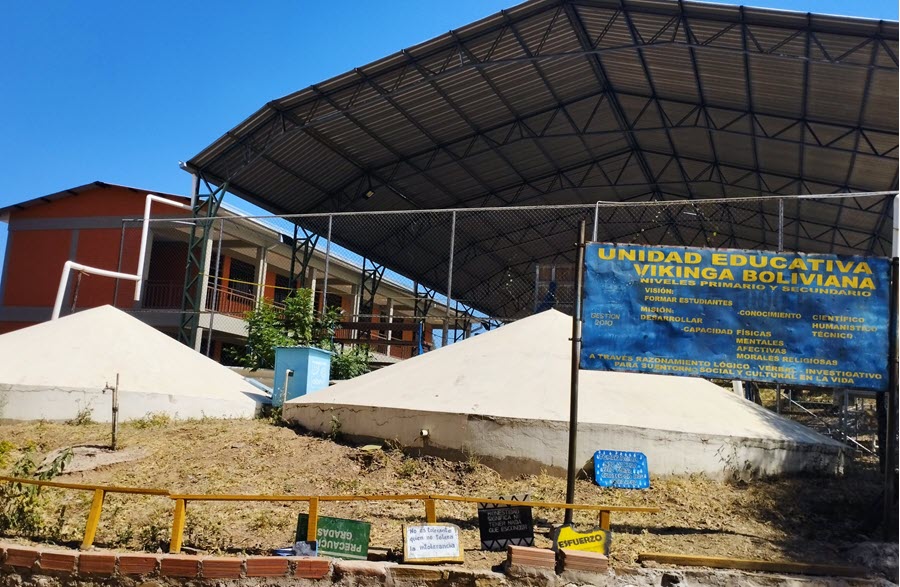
[{"x": 297, "y": 324}]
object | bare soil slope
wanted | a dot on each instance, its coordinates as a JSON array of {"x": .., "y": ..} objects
[{"x": 806, "y": 519}]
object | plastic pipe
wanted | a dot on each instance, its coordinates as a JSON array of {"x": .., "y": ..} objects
[
  {"x": 64, "y": 281},
  {"x": 145, "y": 229}
]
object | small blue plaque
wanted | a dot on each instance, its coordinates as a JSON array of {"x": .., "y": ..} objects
[{"x": 625, "y": 470}]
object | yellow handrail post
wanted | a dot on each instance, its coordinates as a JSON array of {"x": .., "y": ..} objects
[
  {"x": 177, "y": 526},
  {"x": 93, "y": 520},
  {"x": 604, "y": 520},
  {"x": 313, "y": 524},
  {"x": 430, "y": 514}
]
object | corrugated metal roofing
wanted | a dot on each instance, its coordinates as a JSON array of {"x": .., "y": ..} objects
[{"x": 568, "y": 101}]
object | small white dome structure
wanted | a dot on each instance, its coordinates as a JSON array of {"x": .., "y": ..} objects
[{"x": 53, "y": 370}]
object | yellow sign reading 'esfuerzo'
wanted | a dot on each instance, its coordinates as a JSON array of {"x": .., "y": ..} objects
[
  {"x": 594, "y": 540},
  {"x": 818, "y": 320}
]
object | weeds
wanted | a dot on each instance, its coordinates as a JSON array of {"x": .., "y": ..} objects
[
  {"x": 335, "y": 433},
  {"x": 472, "y": 461},
  {"x": 152, "y": 420},
  {"x": 22, "y": 506},
  {"x": 153, "y": 536},
  {"x": 408, "y": 468},
  {"x": 6, "y": 448},
  {"x": 206, "y": 532},
  {"x": 82, "y": 417}
]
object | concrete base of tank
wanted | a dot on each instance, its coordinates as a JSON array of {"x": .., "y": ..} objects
[{"x": 504, "y": 397}]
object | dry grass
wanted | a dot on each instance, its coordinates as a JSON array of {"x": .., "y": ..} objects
[{"x": 809, "y": 519}]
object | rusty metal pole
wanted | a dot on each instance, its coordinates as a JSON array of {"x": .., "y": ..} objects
[{"x": 115, "y": 414}]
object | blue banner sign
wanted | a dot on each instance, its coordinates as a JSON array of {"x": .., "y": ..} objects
[
  {"x": 616, "y": 468},
  {"x": 813, "y": 320}
]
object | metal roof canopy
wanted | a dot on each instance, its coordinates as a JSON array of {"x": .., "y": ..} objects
[{"x": 574, "y": 101}]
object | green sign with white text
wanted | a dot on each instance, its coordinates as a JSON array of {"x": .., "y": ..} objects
[{"x": 337, "y": 537}]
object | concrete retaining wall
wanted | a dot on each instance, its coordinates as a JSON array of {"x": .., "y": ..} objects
[
  {"x": 23, "y": 402},
  {"x": 517, "y": 446}
]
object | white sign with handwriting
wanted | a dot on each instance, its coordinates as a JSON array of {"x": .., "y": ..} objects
[{"x": 431, "y": 543}]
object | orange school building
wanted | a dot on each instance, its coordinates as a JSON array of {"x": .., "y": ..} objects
[{"x": 99, "y": 225}]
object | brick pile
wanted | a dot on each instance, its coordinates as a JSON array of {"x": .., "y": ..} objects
[
  {"x": 531, "y": 557},
  {"x": 583, "y": 561}
]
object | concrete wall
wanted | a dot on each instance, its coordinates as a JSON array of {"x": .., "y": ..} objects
[
  {"x": 517, "y": 446},
  {"x": 19, "y": 402}
]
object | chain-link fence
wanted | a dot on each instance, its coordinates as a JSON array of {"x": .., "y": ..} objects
[
  {"x": 409, "y": 281},
  {"x": 437, "y": 276}
]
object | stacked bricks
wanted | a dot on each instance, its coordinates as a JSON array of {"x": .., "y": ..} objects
[
  {"x": 583, "y": 561},
  {"x": 16, "y": 558},
  {"x": 531, "y": 557}
]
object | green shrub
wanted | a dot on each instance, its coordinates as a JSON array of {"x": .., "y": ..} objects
[
  {"x": 297, "y": 324},
  {"x": 22, "y": 506}
]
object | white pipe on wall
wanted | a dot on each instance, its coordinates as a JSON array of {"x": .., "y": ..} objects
[
  {"x": 145, "y": 228},
  {"x": 137, "y": 278},
  {"x": 64, "y": 281}
]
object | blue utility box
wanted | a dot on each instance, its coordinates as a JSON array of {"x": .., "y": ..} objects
[{"x": 299, "y": 370}]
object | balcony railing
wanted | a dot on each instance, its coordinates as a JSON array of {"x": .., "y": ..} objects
[
  {"x": 229, "y": 301},
  {"x": 167, "y": 295},
  {"x": 163, "y": 295}
]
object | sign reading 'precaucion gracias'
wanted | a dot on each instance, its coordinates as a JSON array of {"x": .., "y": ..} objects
[
  {"x": 815, "y": 320},
  {"x": 337, "y": 537}
]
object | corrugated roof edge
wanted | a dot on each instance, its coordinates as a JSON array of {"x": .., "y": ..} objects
[{"x": 725, "y": 12}]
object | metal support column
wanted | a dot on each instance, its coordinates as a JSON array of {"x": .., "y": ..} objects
[
  {"x": 464, "y": 327},
  {"x": 424, "y": 300},
  {"x": 370, "y": 278},
  {"x": 303, "y": 245},
  {"x": 196, "y": 268}
]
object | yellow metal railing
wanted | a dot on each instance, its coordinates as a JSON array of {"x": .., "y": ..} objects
[
  {"x": 181, "y": 501},
  {"x": 430, "y": 502},
  {"x": 100, "y": 491}
]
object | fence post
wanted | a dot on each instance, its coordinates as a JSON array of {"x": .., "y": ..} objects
[
  {"x": 781, "y": 225},
  {"x": 430, "y": 513},
  {"x": 449, "y": 277},
  {"x": 93, "y": 520},
  {"x": 327, "y": 259},
  {"x": 604, "y": 520},
  {"x": 177, "y": 526},
  {"x": 216, "y": 292},
  {"x": 313, "y": 525}
]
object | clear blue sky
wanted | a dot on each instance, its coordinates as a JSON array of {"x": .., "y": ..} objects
[{"x": 121, "y": 91}]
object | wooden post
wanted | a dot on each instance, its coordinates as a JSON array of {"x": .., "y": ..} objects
[
  {"x": 93, "y": 520},
  {"x": 178, "y": 526},
  {"x": 604, "y": 520},
  {"x": 313, "y": 525},
  {"x": 430, "y": 513}
]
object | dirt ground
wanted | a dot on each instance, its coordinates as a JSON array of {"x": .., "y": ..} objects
[{"x": 809, "y": 519}]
